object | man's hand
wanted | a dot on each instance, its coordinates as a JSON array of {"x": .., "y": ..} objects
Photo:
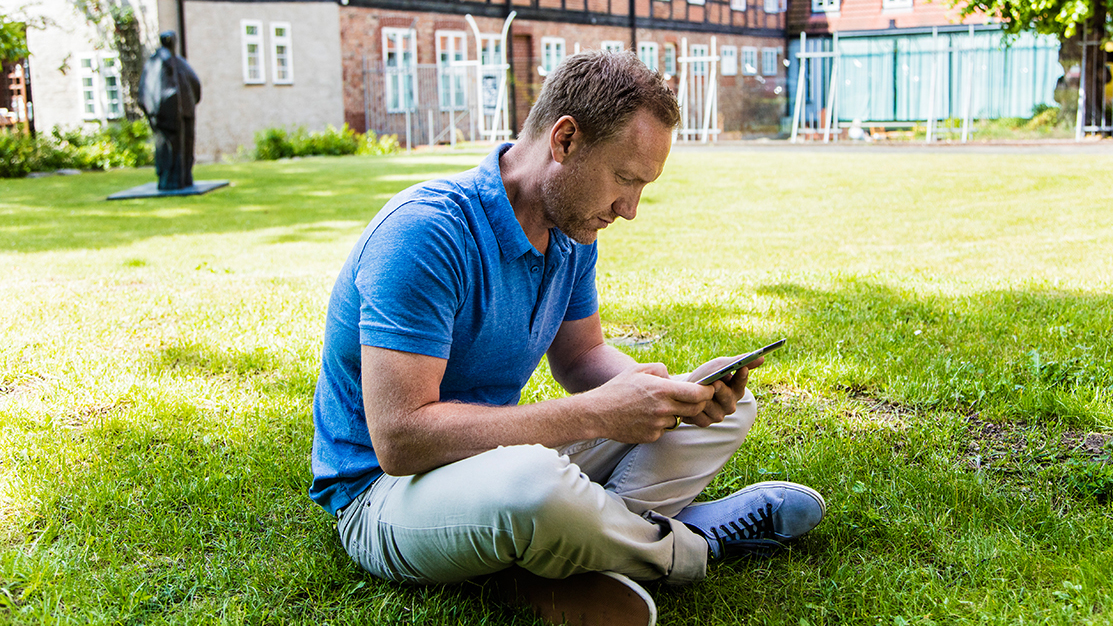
[
  {"x": 728, "y": 390},
  {"x": 641, "y": 402}
]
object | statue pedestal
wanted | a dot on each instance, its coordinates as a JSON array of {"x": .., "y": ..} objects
[{"x": 151, "y": 190}]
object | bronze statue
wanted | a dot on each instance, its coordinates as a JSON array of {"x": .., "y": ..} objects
[{"x": 169, "y": 93}]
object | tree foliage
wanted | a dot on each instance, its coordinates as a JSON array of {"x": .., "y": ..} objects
[
  {"x": 13, "y": 40},
  {"x": 1061, "y": 18},
  {"x": 119, "y": 26}
]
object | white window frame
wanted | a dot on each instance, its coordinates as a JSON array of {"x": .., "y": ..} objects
[
  {"x": 246, "y": 41},
  {"x": 895, "y": 4},
  {"x": 775, "y": 6},
  {"x": 491, "y": 71},
  {"x": 278, "y": 40},
  {"x": 110, "y": 68},
  {"x": 699, "y": 68},
  {"x": 90, "y": 86},
  {"x": 491, "y": 49},
  {"x": 770, "y": 68},
  {"x": 700, "y": 2},
  {"x": 825, "y": 6},
  {"x": 611, "y": 46},
  {"x": 397, "y": 80},
  {"x": 647, "y": 52},
  {"x": 728, "y": 60},
  {"x": 670, "y": 59},
  {"x": 93, "y": 73},
  {"x": 749, "y": 65},
  {"x": 452, "y": 92},
  {"x": 737, "y": 5},
  {"x": 553, "y": 50}
]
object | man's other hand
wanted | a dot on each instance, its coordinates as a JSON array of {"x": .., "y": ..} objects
[
  {"x": 641, "y": 402},
  {"x": 728, "y": 390}
]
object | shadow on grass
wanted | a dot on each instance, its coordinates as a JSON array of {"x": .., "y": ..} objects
[
  {"x": 70, "y": 212},
  {"x": 167, "y": 508},
  {"x": 185, "y": 511},
  {"x": 1040, "y": 353}
]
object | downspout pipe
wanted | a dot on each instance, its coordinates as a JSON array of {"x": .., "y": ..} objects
[
  {"x": 634, "y": 26},
  {"x": 181, "y": 29}
]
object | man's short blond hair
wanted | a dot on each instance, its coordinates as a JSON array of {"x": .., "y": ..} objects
[{"x": 602, "y": 91}]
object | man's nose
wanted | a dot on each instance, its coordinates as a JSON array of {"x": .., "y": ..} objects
[{"x": 626, "y": 206}]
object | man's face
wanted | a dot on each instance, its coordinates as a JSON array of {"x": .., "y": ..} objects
[{"x": 595, "y": 187}]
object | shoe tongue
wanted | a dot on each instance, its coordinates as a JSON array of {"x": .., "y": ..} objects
[{"x": 714, "y": 546}]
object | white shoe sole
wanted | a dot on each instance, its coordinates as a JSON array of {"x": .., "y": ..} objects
[{"x": 590, "y": 599}]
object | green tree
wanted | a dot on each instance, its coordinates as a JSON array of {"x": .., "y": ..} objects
[
  {"x": 1069, "y": 21},
  {"x": 13, "y": 40}
]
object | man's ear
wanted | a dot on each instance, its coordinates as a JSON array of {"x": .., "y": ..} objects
[{"x": 565, "y": 138}]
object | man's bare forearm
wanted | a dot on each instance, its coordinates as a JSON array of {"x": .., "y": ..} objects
[
  {"x": 592, "y": 369},
  {"x": 440, "y": 433}
]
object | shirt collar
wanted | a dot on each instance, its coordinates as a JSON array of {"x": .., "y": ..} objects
[{"x": 508, "y": 231}]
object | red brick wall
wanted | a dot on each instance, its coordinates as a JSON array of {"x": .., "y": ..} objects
[
  {"x": 869, "y": 15},
  {"x": 361, "y": 33}
]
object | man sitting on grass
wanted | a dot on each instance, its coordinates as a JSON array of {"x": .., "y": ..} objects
[{"x": 442, "y": 312}]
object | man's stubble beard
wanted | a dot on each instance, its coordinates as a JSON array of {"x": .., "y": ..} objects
[{"x": 560, "y": 200}]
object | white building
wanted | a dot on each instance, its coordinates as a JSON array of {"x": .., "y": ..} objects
[
  {"x": 75, "y": 74},
  {"x": 261, "y": 64}
]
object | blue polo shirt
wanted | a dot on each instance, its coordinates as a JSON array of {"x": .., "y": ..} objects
[{"x": 443, "y": 270}]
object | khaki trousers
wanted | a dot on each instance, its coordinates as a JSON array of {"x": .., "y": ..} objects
[{"x": 593, "y": 506}]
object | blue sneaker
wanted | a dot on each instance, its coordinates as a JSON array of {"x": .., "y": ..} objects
[{"x": 756, "y": 520}]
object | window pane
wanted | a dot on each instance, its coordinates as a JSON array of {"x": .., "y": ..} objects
[
  {"x": 749, "y": 61},
  {"x": 699, "y": 68}
]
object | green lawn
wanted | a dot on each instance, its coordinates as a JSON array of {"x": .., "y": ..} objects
[{"x": 948, "y": 385}]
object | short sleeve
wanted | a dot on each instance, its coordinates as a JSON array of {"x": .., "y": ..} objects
[
  {"x": 584, "y": 301},
  {"x": 410, "y": 279}
]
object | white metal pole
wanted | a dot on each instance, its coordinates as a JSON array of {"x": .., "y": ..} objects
[
  {"x": 682, "y": 97},
  {"x": 477, "y": 119},
  {"x": 830, "y": 105},
  {"x": 969, "y": 89},
  {"x": 831, "y": 91},
  {"x": 931, "y": 84},
  {"x": 430, "y": 118},
  {"x": 801, "y": 67},
  {"x": 1080, "y": 115},
  {"x": 501, "y": 106},
  {"x": 712, "y": 91},
  {"x": 837, "y": 101},
  {"x": 506, "y": 71}
]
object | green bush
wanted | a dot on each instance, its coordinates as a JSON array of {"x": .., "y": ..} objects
[
  {"x": 376, "y": 145},
  {"x": 332, "y": 142},
  {"x": 278, "y": 143},
  {"x": 124, "y": 144},
  {"x": 1044, "y": 116},
  {"x": 272, "y": 144},
  {"x": 21, "y": 154}
]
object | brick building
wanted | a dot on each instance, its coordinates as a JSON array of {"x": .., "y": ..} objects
[{"x": 411, "y": 56}]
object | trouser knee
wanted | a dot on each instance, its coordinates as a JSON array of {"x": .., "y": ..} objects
[{"x": 533, "y": 483}]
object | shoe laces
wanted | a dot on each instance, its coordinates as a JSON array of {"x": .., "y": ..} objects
[{"x": 754, "y": 535}]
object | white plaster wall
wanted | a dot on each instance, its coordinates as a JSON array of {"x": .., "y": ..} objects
[
  {"x": 230, "y": 111},
  {"x": 55, "y": 48}
]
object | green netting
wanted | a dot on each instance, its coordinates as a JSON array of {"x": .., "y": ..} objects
[{"x": 889, "y": 77}]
